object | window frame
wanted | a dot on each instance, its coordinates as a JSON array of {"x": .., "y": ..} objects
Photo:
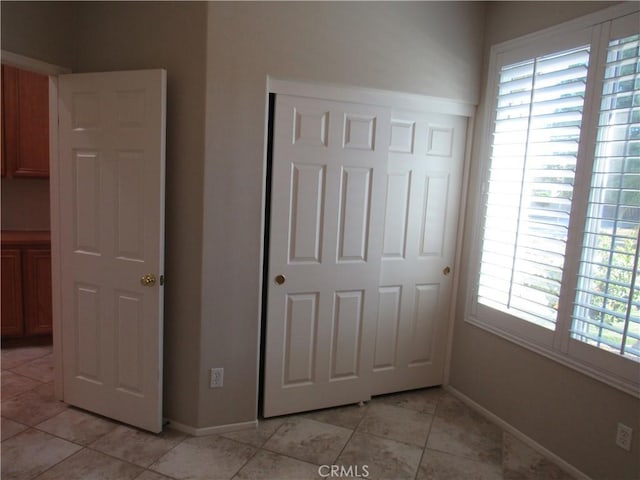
[{"x": 596, "y": 29}]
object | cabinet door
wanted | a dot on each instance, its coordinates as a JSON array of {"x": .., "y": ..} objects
[
  {"x": 33, "y": 125},
  {"x": 11, "y": 277},
  {"x": 37, "y": 293},
  {"x": 26, "y": 122}
]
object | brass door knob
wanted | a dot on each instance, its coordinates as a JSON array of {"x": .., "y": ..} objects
[
  {"x": 446, "y": 270},
  {"x": 148, "y": 280},
  {"x": 280, "y": 279}
]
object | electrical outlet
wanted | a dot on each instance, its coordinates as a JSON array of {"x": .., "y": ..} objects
[
  {"x": 217, "y": 377},
  {"x": 623, "y": 436}
]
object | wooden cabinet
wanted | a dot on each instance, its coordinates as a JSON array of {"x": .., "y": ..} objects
[
  {"x": 25, "y": 123},
  {"x": 26, "y": 285}
]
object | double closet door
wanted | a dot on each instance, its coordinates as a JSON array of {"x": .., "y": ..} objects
[{"x": 364, "y": 211}]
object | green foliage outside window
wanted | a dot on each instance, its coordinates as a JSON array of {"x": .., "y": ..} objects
[{"x": 612, "y": 286}]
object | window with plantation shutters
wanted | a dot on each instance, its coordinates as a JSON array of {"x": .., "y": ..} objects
[
  {"x": 557, "y": 221},
  {"x": 533, "y": 162},
  {"x": 607, "y": 304}
]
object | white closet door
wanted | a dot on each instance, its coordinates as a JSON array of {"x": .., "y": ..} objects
[
  {"x": 423, "y": 184},
  {"x": 326, "y": 236}
]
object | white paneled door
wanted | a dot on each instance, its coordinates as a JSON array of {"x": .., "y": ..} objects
[
  {"x": 363, "y": 222},
  {"x": 111, "y": 180},
  {"x": 324, "y": 262},
  {"x": 426, "y": 157}
]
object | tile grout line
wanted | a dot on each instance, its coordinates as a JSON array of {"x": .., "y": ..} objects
[
  {"x": 424, "y": 449},
  {"x": 123, "y": 460},
  {"x": 19, "y": 423},
  {"x": 247, "y": 461},
  {"x": 353, "y": 432},
  {"x": 39, "y": 383},
  {"x": 85, "y": 447},
  {"x": 262, "y": 447},
  {"x": 27, "y": 361},
  {"x": 400, "y": 441},
  {"x": 286, "y": 455},
  {"x": 42, "y": 421},
  {"x": 299, "y": 417},
  {"x": 58, "y": 462}
]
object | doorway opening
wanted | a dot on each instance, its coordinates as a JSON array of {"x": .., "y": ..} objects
[
  {"x": 26, "y": 257},
  {"x": 32, "y": 185}
]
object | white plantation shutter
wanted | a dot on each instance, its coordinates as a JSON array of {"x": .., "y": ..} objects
[
  {"x": 558, "y": 215},
  {"x": 528, "y": 199},
  {"x": 607, "y": 305}
]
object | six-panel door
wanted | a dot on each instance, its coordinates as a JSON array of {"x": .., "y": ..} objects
[
  {"x": 363, "y": 217},
  {"x": 326, "y": 214},
  {"x": 112, "y": 131}
]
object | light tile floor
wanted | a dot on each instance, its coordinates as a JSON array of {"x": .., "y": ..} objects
[{"x": 420, "y": 435}]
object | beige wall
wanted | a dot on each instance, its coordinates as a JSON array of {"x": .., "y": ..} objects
[
  {"x": 41, "y": 30},
  {"x": 429, "y": 48},
  {"x": 567, "y": 412},
  {"x": 25, "y": 204}
]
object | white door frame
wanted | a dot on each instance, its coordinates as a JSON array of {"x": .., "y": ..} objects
[
  {"x": 378, "y": 97},
  {"x": 38, "y": 66},
  {"x": 383, "y": 98}
]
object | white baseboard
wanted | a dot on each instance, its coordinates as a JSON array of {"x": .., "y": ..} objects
[
  {"x": 202, "y": 431},
  {"x": 548, "y": 454}
]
